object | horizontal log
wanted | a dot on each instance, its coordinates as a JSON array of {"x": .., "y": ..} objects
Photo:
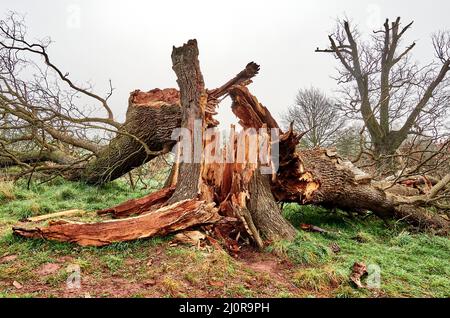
[{"x": 176, "y": 217}]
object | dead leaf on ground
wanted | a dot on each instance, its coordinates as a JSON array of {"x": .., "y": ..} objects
[
  {"x": 216, "y": 283},
  {"x": 358, "y": 271},
  {"x": 335, "y": 247},
  {"x": 149, "y": 282}
]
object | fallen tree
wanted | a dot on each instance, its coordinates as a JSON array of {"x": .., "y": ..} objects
[{"x": 232, "y": 195}]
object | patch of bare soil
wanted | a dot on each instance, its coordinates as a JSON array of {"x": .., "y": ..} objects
[
  {"x": 165, "y": 271},
  {"x": 266, "y": 263}
]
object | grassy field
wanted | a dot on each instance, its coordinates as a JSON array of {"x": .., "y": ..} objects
[{"x": 409, "y": 265}]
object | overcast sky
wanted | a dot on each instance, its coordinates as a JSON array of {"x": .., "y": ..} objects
[{"x": 130, "y": 41}]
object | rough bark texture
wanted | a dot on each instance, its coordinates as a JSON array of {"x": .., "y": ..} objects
[
  {"x": 150, "y": 121},
  {"x": 265, "y": 212},
  {"x": 263, "y": 208},
  {"x": 322, "y": 178},
  {"x": 193, "y": 103}
]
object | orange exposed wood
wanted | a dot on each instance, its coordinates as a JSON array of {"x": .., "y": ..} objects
[
  {"x": 155, "y": 96},
  {"x": 142, "y": 205},
  {"x": 176, "y": 217}
]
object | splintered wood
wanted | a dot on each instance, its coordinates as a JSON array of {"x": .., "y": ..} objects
[
  {"x": 172, "y": 218},
  {"x": 139, "y": 206}
]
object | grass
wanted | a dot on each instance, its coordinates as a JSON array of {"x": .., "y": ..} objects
[
  {"x": 20, "y": 202},
  {"x": 409, "y": 264}
]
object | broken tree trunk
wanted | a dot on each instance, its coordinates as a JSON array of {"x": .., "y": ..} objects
[
  {"x": 197, "y": 178},
  {"x": 322, "y": 179},
  {"x": 237, "y": 191},
  {"x": 240, "y": 192},
  {"x": 193, "y": 104},
  {"x": 151, "y": 118}
]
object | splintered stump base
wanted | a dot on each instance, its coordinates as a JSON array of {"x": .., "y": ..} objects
[{"x": 172, "y": 218}]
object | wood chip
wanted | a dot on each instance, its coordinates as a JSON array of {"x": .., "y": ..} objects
[
  {"x": 189, "y": 237},
  {"x": 149, "y": 282},
  {"x": 17, "y": 284}
]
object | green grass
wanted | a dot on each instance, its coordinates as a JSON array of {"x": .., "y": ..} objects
[
  {"x": 411, "y": 264},
  {"x": 60, "y": 195}
]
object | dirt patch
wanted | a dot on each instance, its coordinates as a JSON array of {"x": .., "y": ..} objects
[
  {"x": 267, "y": 263},
  {"x": 48, "y": 269}
]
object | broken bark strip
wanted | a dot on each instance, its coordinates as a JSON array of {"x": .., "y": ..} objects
[
  {"x": 142, "y": 205},
  {"x": 176, "y": 217},
  {"x": 66, "y": 213},
  {"x": 150, "y": 120}
]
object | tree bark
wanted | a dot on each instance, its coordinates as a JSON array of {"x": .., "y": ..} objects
[
  {"x": 324, "y": 179},
  {"x": 142, "y": 205},
  {"x": 151, "y": 119},
  {"x": 265, "y": 212},
  {"x": 193, "y": 103}
]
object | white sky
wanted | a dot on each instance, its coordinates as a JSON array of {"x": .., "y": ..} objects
[{"x": 130, "y": 41}]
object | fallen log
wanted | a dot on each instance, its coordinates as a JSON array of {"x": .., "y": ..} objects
[
  {"x": 320, "y": 177},
  {"x": 168, "y": 219},
  {"x": 321, "y": 180}
]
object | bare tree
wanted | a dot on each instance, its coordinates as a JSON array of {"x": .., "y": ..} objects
[
  {"x": 50, "y": 125},
  {"x": 40, "y": 120},
  {"x": 394, "y": 96},
  {"x": 348, "y": 143},
  {"x": 317, "y": 115}
]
